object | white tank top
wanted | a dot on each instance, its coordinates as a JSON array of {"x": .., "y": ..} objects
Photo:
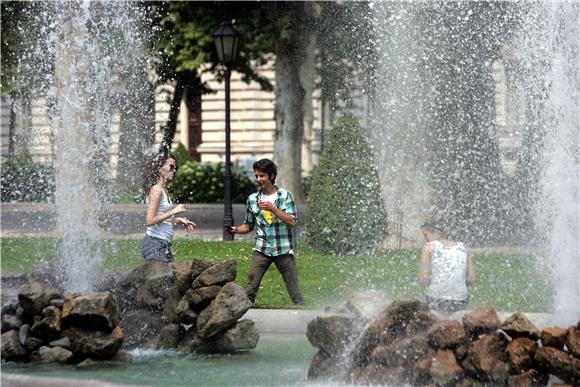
[
  {"x": 163, "y": 230},
  {"x": 448, "y": 272}
]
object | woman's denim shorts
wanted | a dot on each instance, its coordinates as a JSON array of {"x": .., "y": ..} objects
[{"x": 155, "y": 249}]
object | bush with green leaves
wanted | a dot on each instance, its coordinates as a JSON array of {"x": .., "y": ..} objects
[
  {"x": 23, "y": 180},
  {"x": 204, "y": 183},
  {"x": 346, "y": 213}
]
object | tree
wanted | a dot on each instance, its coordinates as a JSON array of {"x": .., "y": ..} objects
[{"x": 346, "y": 213}]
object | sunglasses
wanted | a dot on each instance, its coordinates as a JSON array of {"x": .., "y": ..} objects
[{"x": 172, "y": 167}]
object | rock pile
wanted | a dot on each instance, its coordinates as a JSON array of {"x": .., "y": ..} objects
[
  {"x": 193, "y": 307},
  {"x": 48, "y": 326},
  {"x": 407, "y": 344}
]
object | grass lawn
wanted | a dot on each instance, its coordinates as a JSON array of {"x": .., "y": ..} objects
[{"x": 508, "y": 282}]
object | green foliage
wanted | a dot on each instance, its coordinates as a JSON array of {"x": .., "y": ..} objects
[
  {"x": 181, "y": 154},
  {"x": 204, "y": 183},
  {"x": 23, "y": 180},
  {"x": 346, "y": 213}
]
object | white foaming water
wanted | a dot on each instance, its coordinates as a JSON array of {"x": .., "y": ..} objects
[
  {"x": 560, "y": 210},
  {"x": 93, "y": 44}
]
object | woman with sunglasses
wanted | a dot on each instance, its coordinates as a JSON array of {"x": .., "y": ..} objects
[{"x": 156, "y": 245}]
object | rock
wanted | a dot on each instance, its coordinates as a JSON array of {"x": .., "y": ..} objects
[
  {"x": 218, "y": 274},
  {"x": 10, "y": 322},
  {"x": 107, "y": 280},
  {"x": 201, "y": 297},
  {"x": 199, "y": 265},
  {"x": 573, "y": 341},
  {"x": 182, "y": 274},
  {"x": 367, "y": 305},
  {"x": 331, "y": 334},
  {"x": 243, "y": 336},
  {"x": 485, "y": 358},
  {"x": 159, "y": 286},
  {"x": 322, "y": 366},
  {"x": 54, "y": 355},
  {"x": 446, "y": 334},
  {"x": 170, "y": 336},
  {"x": 57, "y": 302},
  {"x": 10, "y": 307},
  {"x": 444, "y": 368},
  {"x": 230, "y": 304},
  {"x": 34, "y": 297},
  {"x": 529, "y": 378},
  {"x": 520, "y": 353},
  {"x": 553, "y": 337},
  {"x": 11, "y": 347},
  {"x": 63, "y": 342},
  {"x": 379, "y": 332},
  {"x": 24, "y": 333},
  {"x": 92, "y": 311},
  {"x": 518, "y": 325},
  {"x": 402, "y": 311},
  {"x": 185, "y": 313},
  {"x": 95, "y": 344},
  {"x": 141, "y": 327},
  {"x": 481, "y": 321},
  {"x": 421, "y": 323},
  {"x": 559, "y": 363},
  {"x": 170, "y": 306},
  {"x": 48, "y": 327},
  {"x": 33, "y": 343},
  {"x": 403, "y": 352}
]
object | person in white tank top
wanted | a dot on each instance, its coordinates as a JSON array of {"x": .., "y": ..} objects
[
  {"x": 156, "y": 245},
  {"x": 446, "y": 270}
]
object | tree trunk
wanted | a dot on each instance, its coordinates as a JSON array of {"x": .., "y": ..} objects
[
  {"x": 290, "y": 54},
  {"x": 170, "y": 126}
]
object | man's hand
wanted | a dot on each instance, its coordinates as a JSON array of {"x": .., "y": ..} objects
[{"x": 266, "y": 206}]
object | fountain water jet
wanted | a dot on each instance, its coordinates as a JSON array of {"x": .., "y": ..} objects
[
  {"x": 95, "y": 44},
  {"x": 435, "y": 116}
]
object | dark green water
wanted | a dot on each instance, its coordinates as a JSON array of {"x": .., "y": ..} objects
[{"x": 278, "y": 360}]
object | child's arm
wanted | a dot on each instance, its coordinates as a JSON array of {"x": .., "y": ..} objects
[{"x": 425, "y": 264}]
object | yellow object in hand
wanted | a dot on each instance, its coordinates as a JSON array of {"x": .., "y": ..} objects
[{"x": 268, "y": 215}]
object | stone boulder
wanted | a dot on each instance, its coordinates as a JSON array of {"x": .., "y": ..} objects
[
  {"x": 573, "y": 341},
  {"x": 518, "y": 325},
  {"x": 182, "y": 274},
  {"x": 480, "y": 321},
  {"x": 12, "y": 348},
  {"x": 444, "y": 369},
  {"x": 486, "y": 358},
  {"x": 243, "y": 336},
  {"x": 331, "y": 335},
  {"x": 92, "y": 311},
  {"x": 229, "y": 305},
  {"x": 367, "y": 305},
  {"x": 559, "y": 363},
  {"x": 34, "y": 297},
  {"x": 94, "y": 344},
  {"x": 218, "y": 274},
  {"x": 553, "y": 337},
  {"x": 520, "y": 353},
  {"x": 199, "y": 298},
  {"x": 199, "y": 265},
  {"x": 48, "y": 327},
  {"x": 446, "y": 334},
  {"x": 54, "y": 355}
]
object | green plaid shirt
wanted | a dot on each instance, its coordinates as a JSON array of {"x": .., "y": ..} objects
[{"x": 276, "y": 238}]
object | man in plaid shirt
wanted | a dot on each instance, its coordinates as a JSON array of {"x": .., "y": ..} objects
[{"x": 272, "y": 212}]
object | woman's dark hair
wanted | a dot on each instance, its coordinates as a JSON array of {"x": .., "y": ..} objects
[
  {"x": 433, "y": 226},
  {"x": 153, "y": 175},
  {"x": 267, "y": 166}
]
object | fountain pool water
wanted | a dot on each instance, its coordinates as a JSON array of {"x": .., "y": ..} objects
[{"x": 278, "y": 360}]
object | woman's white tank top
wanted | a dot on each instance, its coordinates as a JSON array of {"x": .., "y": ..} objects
[
  {"x": 163, "y": 230},
  {"x": 448, "y": 272}
]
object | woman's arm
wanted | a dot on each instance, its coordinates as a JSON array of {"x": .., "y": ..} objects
[
  {"x": 154, "y": 200},
  {"x": 425, "y": 264},
  {"x": 470, "y": 271}
]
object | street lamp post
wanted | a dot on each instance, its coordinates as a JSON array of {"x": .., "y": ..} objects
[{"x": 226, "y": 41}]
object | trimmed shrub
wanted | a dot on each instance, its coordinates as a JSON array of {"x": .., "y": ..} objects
[
  {"x": 204, "y": 183},
  {"x": 346, "y": 213},
  {"x": 23, "y": 180}
]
